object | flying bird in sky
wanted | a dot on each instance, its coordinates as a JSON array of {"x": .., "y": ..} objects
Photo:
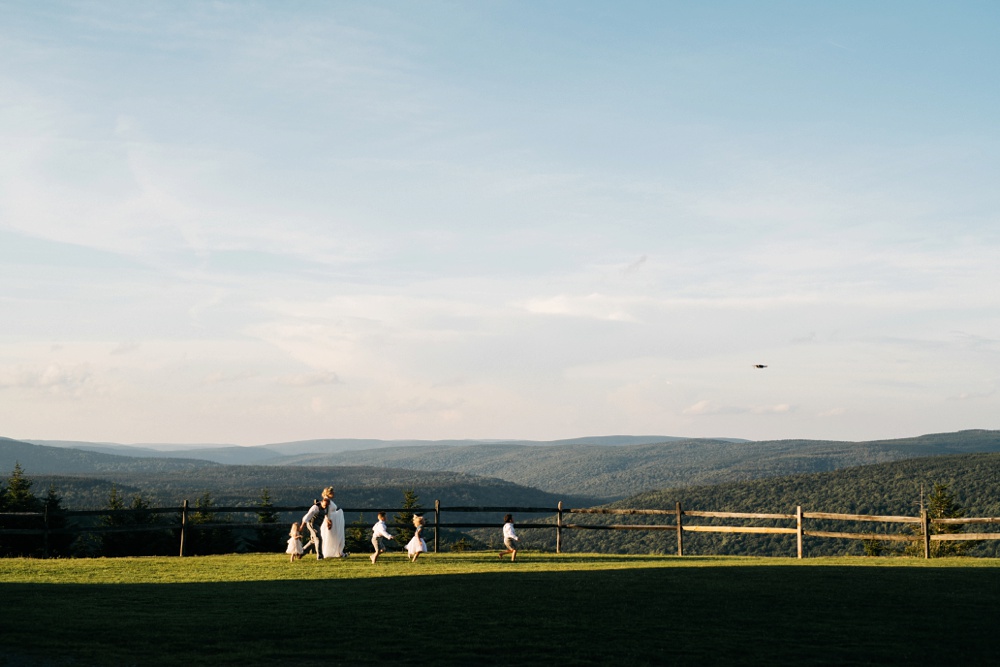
[{"x": 760, "y": 365}]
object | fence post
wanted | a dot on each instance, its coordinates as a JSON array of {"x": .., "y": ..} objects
[
  {"x": 798, "y": 530},
  {"x": 184, "y": 516},
  {"x": 437, "y": 520},
  {"x": 680, "y": 531},
  {"x": 926, "y": 525},
  {"x": 46, "y": 530},
  {"x": 559, "y": 528}
]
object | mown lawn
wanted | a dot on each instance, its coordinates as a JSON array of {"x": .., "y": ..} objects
[{"x": 471, "y": 609}]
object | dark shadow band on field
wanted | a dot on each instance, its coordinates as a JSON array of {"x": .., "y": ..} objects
[{"x": 828, "y": 615}]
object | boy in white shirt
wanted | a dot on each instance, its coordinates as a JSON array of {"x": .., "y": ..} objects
[
  {"x": 379, "y": 532},
  {"x": 509, "y": 538}
]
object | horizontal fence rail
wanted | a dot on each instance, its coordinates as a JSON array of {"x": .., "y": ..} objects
[{"x": 187, "y": 520}]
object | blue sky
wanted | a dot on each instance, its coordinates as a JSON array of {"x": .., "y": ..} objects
[{"x": 259, "y": 222}]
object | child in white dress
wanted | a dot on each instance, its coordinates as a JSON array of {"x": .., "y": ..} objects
[
  {"x": 294, "y": 549},
  {"x": 416, "y": 545}
]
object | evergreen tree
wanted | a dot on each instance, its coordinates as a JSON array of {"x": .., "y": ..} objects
[
  {"x": 58, "y": 544},
  {"x": 404, "y": 518},
  {"x": 265, "y": 512},
  {"x": 356, "y": 536},
  {"x": 202, "y": 540},
  {"x": 147, "y": 542},
  {"x": 206, "y": 541},
  {"x": 463, "y": 544},
  {"x": 18, "y": 498},
  {"x": 270, "y": 535},
  {"x": 114, "y": 543},
  {"x": 203, "y": 509},
  {"x": 941, "y": 504}
]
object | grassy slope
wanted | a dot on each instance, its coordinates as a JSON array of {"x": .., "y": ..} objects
[{"x": 475, "y": 609}]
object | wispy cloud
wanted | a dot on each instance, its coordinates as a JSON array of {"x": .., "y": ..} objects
[
  {"x": 53, "y": 379},
  {"x": 310, "y": 379},
  {"x": 596, "y": 306},
  {"x": 125, "y": 347}
]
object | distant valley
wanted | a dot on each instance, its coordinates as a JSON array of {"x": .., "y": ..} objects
[
  {"x": 600, "y": 469},
  {"x": 618, "y": 471},
  {"x": 876, "y": 477},
  {"x": 898, "y": 487}
]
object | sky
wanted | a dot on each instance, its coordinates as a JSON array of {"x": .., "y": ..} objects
[{"x": 253, "y": 222}]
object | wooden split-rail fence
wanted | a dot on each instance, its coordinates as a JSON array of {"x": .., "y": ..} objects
[{"x": 681, "y": 523}]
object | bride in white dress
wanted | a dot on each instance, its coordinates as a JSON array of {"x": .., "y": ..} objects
[{"x": 332, "y": 530}]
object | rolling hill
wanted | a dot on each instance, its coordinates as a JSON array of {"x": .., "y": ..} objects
[
  {"x": 84, "y": 479},
  {"x": 620, "y": 471},
  {"x": 892, "y": 488},
  {"x": 45, "y": 459},
  {"x": 567, "y": 468},
  {"x": 235, "y": 455},
  {"x": 356, "y": 486},
  {"x": 226, "y": 454}
]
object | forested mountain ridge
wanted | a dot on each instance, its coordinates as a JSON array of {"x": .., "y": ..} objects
[
  {"x": 227, "y": 454},
  {"x": 615, "y": 472},
  {"x": 337, "y": 445},
  {"x": 355, "y": 486},
  {"x": 590, "y": 470},
  {"x": 235, "y": 455},
  {"x": 893, "y": 488},
  {"x": 42, "y": 459}
]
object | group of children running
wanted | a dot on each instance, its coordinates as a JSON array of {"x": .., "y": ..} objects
[{"x": 415, "y": 547}]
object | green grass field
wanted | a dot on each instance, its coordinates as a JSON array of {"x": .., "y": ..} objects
[{"x": 471, "y": 609}]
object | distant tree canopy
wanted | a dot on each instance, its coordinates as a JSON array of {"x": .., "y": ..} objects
[
  {"x": 961, "y": 485},
  {"x": 965, "y": 485}
]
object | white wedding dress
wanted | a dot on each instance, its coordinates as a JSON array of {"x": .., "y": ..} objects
[
  {"x": 333, "y": 536},
  {"x": 416, "y": 545}
]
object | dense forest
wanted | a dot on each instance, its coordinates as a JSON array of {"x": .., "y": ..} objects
[
  {"x": 569, "y": 469},
  {"x": 622, "y": 471},
  {"x": 356, "y": 486},
  {"x": 218, "y": 486},
  {"x": 896, "y": 488}
]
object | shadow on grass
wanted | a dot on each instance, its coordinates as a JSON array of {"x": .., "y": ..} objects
[{"x": 683, "y": 616}]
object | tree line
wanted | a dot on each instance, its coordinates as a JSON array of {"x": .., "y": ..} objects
[
  {"x": 946, "y": 486},
  {"x": 130, "y": 527},
  {"x": 951, "y": 486}
]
